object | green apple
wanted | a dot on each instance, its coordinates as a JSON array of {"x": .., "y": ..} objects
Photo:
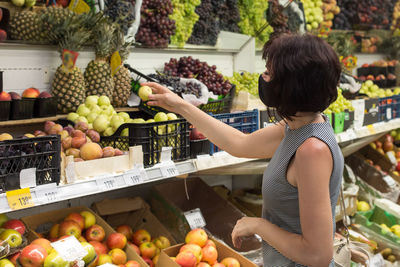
[
  {"x": 107, "y": 110},
  {"x": 55, "y": 260},
  {"x": 101, "y": 123},
  {"x": 91, "y": 100},
  {"x": 160, "y": 116},
  {"x": 91, "y": 117},
  {"x": 150, "y": 121},
  {"x": 91, "y": 253},
  {"x": 82, "y": 119},
  {"x": 130, "y": 121},
  {"x": 172, "y": 116},
  {"x": 94, "y": 108},
  {"x": 116, "y": 121},
  {"x": 125, "y": 132},
  {"x": 138, "y": 120},
  {"x": 369, "y": 83},
  {"x": 144, "y": 92},
  {"x": 108, "y": 132},
  {"x": 72, "y": 116},
  {"x": 18, "y": 2},
  {"x": 90, "y": 126},
  {"x": 30, "y": 3},
  {"x": 314, "y": 24},
  {"x": 3, "y": 219},
  {"x": 6, "y": 263},
  {"x": 124, "y": 115},
  {"x": 104, "y": 101},
  {"x": 83, "y": 110},
  {"x": 116, "y": 125},
  {"x": 12, "y": 237}
]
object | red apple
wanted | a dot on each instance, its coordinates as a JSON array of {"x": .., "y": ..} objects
[
  {"x": 1, "y": 13},
  {"x": 118, "y": 256},
  {"x": 44, "y": 95},
  {"x": 32, "y": 256},
  {"x": 63, "y": 3},
  {"x": 141, "y": 236},
  {"x": 77, "y": 142},
  {"x": 148, "y": 261},
  {"x": 116, "y": 240},
  {"x": 378, "y": 144},
  {"x": 55, "y": 129},
  {"x": 44, "y": 243},
  {"x": 135, "y": 248},
  {"x": 148, "y": 249},
  {"x": 186, "y": 259},
  {"x": 93, "y": 135},
  {"x": 126, "y": 230},
  {"x": 132, "y": 263},
  {"x": 196, "y": 135},
  {"x": 13, "y": 258},
  {"x": 70, "y": 228},
  {"x": 387, "y": 146},
  {"x": 95, "y": 233},
  {"x": 203, "y": 264},
  {"x": 218, "y": 265},
  {"x": 162, "y": 242},
  {"x": 210, "y": 254},
  {"x": 16, "y": 225},
  {"x": 195, "y": 249},
  {"x": 4, "y": 96},
  {"x": 15, "y": 96},
  {"x": 99, "y": 247},
  {"x": 3, "y": 35},
  {"x": 230, "y": 262},
  {"x": 78, "y": 133},
  {"x": 76, "y": 217},
  {"x": 210, "y": 243},
  {"x": 31, "y": 93},
  {"x": 196, "y": 236}
]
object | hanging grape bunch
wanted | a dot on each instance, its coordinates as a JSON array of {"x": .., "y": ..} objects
[
  {"x": 228, "y": 15},
  {"x": 276, "y": 18},
  {"x": 176, "y": 86},
  {"x": 206, "y": 29},
  {"x": 156, "y": 27},
  {"x": 122, "y": 12},
  {"x": 185, "y": 18},
  {"x": 187, "y": 67}
]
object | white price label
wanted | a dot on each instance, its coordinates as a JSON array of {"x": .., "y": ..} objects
[
  {"x": 47, "y": 193},
  {"x": 389, "y": 113},
  {"x": 69, "y": 249},
  {"x": 106, "y": 183},
  {"x": 389, "y": 181},
  {"x": 168, "y": 169},
  {"x": 133, "y": 177},
  {"x": 195, "y": 218},
  {"x": 27, "y": 178},
  {"x": 391, "y": 157}
]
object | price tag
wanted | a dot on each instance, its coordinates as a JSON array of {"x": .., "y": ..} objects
[
  {"x": 389, "y": 113},
  {"x": 371, "y": 129},
  {"x": 27, "y": 178},
  {"x": 69, "y": 249},
  {"x": 115, "y": 63},
  {"x": 47, "y": 193},
  {"x": 79, "y": 6},
  {"x": 166, "y": 154},
  {"x": 391, "y": 157},
  {"x": 195, "y": 218},
  {"x": 377, "y": 260},
  {"x": 133, "y": 177},
  {"x": 20, "y": 199},
  {"x": 168, "y": 169},
  {"x": 389, "y": 181},
  {"x": 106, "y": 183},
  {"x": 70, "y": 172}
]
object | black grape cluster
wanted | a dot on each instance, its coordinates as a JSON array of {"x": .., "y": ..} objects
[
  {"x": 188, "y": 67},
  {"x": 176, "y": 86},
  {"x": 121, "y": 12},
  {"x": 228, "y": 15},
  {"x": 206, "y": 29},
  {"x": 155, "y": 25}
]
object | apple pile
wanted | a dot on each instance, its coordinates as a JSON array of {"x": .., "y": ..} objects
[
  {"x": 313, "y": 13},
  {"x": 11, "y": 231},
  {"x": 149, "y": 249},
  {"x": 372, "y": 90},
  {"x": 26, "y": 3},
  {"x": 28, "y": 93},
  {"x": 385, "y": 147},
  {"x": 199, "y": 251},
  {"x": 341, "y": 104}
]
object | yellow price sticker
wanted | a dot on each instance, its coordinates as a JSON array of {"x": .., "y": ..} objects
[
  {"x": 115, "y": 63},
  {"x": 20, "y": 199},
  {"x": 371, "y": 129},
  {"x": 79, "y": 6}
]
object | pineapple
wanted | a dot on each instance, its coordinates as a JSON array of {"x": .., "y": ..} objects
[
  {"x": 122, "y": 78},
  {"x": 98, "y": 72},
  {"x": 26, "y": 25},
  {"x": 59, "y": 16},
  {"x": 68, "y": 86}
]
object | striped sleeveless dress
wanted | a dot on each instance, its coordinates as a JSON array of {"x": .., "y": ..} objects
[{"x": 281, "y": 200}]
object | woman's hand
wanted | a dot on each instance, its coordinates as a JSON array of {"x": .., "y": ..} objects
[
  {"x": 247, "y": 226},
  {"x": 164, "y": 98}
]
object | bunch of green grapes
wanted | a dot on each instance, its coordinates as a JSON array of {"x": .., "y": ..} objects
[
  {"x": 185, "y": 18},
  {"x": 341, "y": 104},
  {"x": 252, "y": 19},
  {"x": 245, "y": 81},
  {"x": 313, "y": 13}
]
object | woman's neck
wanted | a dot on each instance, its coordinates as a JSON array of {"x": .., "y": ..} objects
[{"x": 303, "y": 118}]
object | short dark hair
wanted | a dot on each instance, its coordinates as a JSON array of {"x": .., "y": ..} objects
[{"x": 304, "y": 71}]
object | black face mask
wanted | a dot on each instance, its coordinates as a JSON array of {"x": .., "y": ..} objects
[{"x": 265, "y": 91}]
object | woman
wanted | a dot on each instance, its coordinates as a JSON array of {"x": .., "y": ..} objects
[{"x": 302, "y": 181}]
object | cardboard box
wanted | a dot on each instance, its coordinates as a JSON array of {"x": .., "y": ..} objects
[
  {"x": 223, "y": 252},
  {"x": 169, "y": 202},
  {"x": 134, "y": 212},
  {"x": 42, "y": 222}
]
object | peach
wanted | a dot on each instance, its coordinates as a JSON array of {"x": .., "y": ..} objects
[
  {"x": 55, "y": 129},
  {"x": 69, "y": 129},
  {"x": 230, "y": 262},
  {"x": 91, "y": 151},
  {"x": 39, "y": 133},
  {"x": 186, "y": 259},
  {"x": 195, "y": 249},
  {"x": 78, "y": 133},
  {"x": 108, "y": 152},
  {"x": 31, "y": 93},
  {"x": 48, "y": 125},
  {"x": 118, "y": 152},
  {"x": 64, "y": 134},
  {"x": 78, "y": 142},
  {"x": 210, "y": 254},
  {"x": 196, "y": 236},
  {"x": 82, "y": 126},
  {"x": 93, "y": 135},
  {"x": 73, "y": 152},
  {"x": 67, "y": 142}
]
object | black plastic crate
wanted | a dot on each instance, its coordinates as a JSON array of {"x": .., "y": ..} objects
[
  {"x": 5, "y": 110},
  {"x": 42, "y": 153},
  {"x": 199, "y": 147},
  {"x": 152, "y": 137},
  {"x": 223, "y": 105},
  {"x": 22, "y": 108},
  {"x": 45, "y": 107}
]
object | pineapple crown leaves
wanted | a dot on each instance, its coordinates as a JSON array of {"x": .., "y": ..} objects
[
  {"x": 120, "y": 44},
  {"x": 103, "y": 35}
]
